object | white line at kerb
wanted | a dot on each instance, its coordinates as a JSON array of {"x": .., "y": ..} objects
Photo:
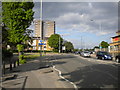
[{"x": 64, "y": 78}]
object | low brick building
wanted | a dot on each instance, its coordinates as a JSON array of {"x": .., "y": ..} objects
[{"x": 115, "y": 45}]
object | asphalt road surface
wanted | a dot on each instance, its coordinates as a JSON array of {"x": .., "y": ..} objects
[{"x": 87, "y": 72}]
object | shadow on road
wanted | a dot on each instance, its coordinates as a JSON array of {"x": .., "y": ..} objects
[
  {"x": 95, "y": 76},
  {"x": 56, "y": 57},
  {"x": 40, "y": 63}
]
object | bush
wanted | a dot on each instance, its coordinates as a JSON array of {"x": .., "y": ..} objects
[
  {"x": 15, "y": 51},
  {"x": 21, "y": 57},
  {"x": 22, "y": 61},
  {"x": 35, "y": 51},
  {"x": 55, "y": 50},
  {"x": 6, "y": 53},
  {"x": 20, "y": 47}
]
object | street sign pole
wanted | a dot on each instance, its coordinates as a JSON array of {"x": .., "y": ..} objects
[
  {"x": 40, "y": 48},
  {"x": 41, "y": 27},
  {"x": 40, "y": 44},
  {"x": 59, "y": 44}
]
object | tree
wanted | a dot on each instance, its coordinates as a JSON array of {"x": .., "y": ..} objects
[
  {"x": 76, "y": 50},
  {"x": 53, "y": 42},
  {"x": 96, "y": 47},
  {"x": 17, "y": 17},
  {"x": 28, "y": 39},
  {"x": 4, "y": 35},
  {"x": 69, "y": 46},
  {"x": 104, "y": 44}
]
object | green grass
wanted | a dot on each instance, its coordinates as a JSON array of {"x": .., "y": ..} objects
[{"x": 31, "y": 56}]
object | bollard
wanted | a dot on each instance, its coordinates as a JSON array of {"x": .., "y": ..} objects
[
  {"x": 14, "y": 64},
  {"x": 10, "y": 66},
  {"x": 18, "y": 62}
]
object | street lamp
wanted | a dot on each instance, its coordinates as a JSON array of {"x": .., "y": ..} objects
[
  {"x": 41, "y": 26},
  {"x": 100, "y": 28},
  {"x": 59, "y": 44}
]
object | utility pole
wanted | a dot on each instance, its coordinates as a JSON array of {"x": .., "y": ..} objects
[
  {"x": 59, "y": 44},
  {"x": 41, "y": 27},
  {"x": 100, "y": 28},
  {"x": 81, "y": 42}
]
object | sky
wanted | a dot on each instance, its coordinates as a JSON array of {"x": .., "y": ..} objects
[{"x": 85, "y": 24}]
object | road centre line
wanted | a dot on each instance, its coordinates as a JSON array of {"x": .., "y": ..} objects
[{"x": 65, "y": 78}]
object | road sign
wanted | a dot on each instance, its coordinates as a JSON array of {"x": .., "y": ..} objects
[
  {"x": 63, "y": 47},
  {"x": 41, "y": 43}
]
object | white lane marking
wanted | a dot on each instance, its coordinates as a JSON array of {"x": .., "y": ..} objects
[{"x": 64, "y": 78}]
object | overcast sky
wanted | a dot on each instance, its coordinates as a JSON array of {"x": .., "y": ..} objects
[{"x": 86, "y": 22}]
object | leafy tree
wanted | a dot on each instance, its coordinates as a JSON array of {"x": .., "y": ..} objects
[
  {"x": 4, "y": 35},
  {"x": 69, "y": 46},
  {"x": 96, "y": 47},
  {"x": 76, "y": 50},
  {"x": 53, "y": 42},
  {"x": 17, "y": 16},
  {"x": 28, "y": 39},
  {"x": 104, "y": 44}
]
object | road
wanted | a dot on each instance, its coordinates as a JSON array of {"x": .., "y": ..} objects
[{"x": 87, "y": 72}]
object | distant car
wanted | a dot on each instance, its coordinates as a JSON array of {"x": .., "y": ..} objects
[
  {"x": 103, "y": 55},
  {"x": 85, "y": 54},
  {"x": 92, "y": 52},
  {"x": 77, "y": 52}
]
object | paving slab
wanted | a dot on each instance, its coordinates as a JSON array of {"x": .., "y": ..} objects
[{"x": 34, "y": 74}]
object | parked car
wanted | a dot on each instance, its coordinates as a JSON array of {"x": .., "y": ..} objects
[
  {"x": 77, "y": 52},
  {"x": 85, "y": 54},
  {"x": 92, "y": 52},
  {"x": 103, "y": 55}
]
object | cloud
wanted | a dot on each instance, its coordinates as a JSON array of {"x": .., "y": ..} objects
[
  {"x": 90, "y": 5},
  {"x": 36, "y": 10},
  {"x": 77, "y": 16}
]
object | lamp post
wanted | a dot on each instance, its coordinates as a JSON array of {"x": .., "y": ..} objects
[
  {"x": 81, "y": 42},
  {"x": 100, "y": 28},
  {"x": 59, "y": 44},
  {"x": 41, "y": 27}
]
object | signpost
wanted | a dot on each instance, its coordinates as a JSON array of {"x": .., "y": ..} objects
[
  {"x": 40, "y": 44},
  {"x": 63, "y": 49}
]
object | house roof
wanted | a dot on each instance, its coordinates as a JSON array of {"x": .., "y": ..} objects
[{"x": 116, "y": 36}]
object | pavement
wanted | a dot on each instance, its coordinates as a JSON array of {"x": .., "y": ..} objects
[{"x": 34, "y": 74}]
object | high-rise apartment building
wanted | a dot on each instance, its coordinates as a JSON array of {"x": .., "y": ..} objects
[{"x": 43, "y": 30}]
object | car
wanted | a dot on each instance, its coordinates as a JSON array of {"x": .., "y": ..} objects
[
  {"x": 85, "y": 54},
  {"x": 103, "y": 55},
  {"x": 92, "y": 52},
  {"x": 77, "y": 52}
]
